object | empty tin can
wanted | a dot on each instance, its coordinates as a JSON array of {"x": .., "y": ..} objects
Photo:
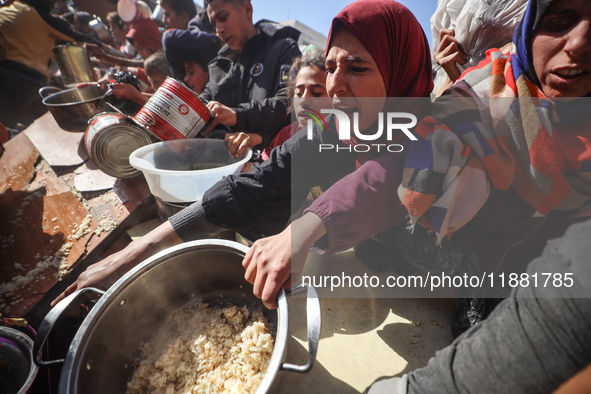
[
  {"x": 110, "y": 138},
  {"x": 174, "y": 112}
]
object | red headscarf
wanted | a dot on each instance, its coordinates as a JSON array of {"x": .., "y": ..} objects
[
  {"x": 146, "y": 33},
  {"x": 396, "y": 41}
]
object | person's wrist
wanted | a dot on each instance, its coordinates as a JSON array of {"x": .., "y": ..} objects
[
  {"x": 138, "y": 97},
  {"x": 233, "y": 118},
  {"x": 255, "y": 139},
  {"x": 308, "y": 229}
]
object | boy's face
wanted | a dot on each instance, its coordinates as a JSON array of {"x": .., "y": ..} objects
[
  {"x": 156, "y": 79},
  {"x": 309, "y": 92},
  {"x": 172, "y": 20},
  {"x": 233, "y": 25},
  {"x": 195, "y": 77}
]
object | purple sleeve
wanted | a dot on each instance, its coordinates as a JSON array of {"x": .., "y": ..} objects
[{"x": 361, "y": 204}]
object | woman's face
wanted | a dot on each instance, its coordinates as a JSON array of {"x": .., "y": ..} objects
[
  {"x": 561, "y": 49},
  {"x": 352, "y": 74},
  {"x": 309, "y": 92}
]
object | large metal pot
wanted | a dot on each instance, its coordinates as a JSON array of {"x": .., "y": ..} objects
[
  {"x": 72, "y": 108},
  {"x": 102, "y": 353}
]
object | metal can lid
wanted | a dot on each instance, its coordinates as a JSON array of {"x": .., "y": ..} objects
[{"x": 112, "y": 146}]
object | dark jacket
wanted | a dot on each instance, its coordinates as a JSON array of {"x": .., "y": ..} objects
[{"x": 253, "y": 81}]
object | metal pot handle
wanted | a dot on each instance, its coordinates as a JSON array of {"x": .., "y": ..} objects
[
  {"x": 313, "y": 318},
  {"x": 43, "y": 92},
  {"x": 49, "y": 321}
]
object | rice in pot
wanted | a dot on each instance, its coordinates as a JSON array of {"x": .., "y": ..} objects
[{"x": 206, "y": 349}]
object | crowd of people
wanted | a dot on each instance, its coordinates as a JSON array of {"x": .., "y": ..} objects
[{"x": 493, "y": 179}]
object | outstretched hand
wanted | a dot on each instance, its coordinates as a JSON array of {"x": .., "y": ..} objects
[
  {"x": 271, "y": 261},
  {"x": 127, "y": 91},
  {"x": 106, "y": 272}
]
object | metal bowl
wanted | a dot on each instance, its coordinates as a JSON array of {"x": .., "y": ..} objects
[
  {"x": 17, "y": 369},
  {"x": 72, "y": 108}
]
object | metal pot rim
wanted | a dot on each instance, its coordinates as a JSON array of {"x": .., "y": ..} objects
[
  {"x": 73, "y": 358},
  {"x": 26, "y": 344},
  {"x": 63, "y": 92}
]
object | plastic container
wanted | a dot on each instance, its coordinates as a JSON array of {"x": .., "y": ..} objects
[
  {"x": 128, "y": 11},
  {"x": 180, "y": 171}
]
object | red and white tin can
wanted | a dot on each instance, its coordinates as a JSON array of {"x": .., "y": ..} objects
[
  {"x": 174, "y": 112},
  {"x": 110, "y": 138}
]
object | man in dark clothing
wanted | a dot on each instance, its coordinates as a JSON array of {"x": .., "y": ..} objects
[{"x": 246, "y": 89}]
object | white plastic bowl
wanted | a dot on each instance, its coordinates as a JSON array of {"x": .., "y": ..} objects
[{"x": 181, "y": 171}]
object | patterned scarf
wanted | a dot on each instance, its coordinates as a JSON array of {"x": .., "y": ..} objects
[{"x": 496, "y": 128}]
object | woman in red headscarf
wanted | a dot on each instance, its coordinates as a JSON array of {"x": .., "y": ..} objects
[
  {"x": 346, "y": 210},
  {"x": 376, "y": 49}
]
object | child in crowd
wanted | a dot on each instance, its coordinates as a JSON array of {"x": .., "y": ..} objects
[
  {"x": 81, "y": 22},
  {"x": 189, "y": 53},
  {"x": 196, "y": 73},
  {"x": 157, "y": 69},
  {"x": 192, "y": 44},
  {"x": 307, "y": 78},
  {"x": 119, "y": 30}
]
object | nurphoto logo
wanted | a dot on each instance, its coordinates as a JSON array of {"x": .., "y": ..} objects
[{"x": 394, "y": 122}]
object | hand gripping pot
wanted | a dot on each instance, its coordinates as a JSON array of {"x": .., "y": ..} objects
[
  {"x": 101, "y": 355},
  {"x": 180, "y": 171}
]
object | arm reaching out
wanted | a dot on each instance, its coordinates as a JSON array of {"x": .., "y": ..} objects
[
  {"x": 106, "y": 272},
  {"x": 270, "y": 261}
]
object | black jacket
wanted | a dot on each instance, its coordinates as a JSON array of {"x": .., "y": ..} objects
[{"x": 252, "y": 82}]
